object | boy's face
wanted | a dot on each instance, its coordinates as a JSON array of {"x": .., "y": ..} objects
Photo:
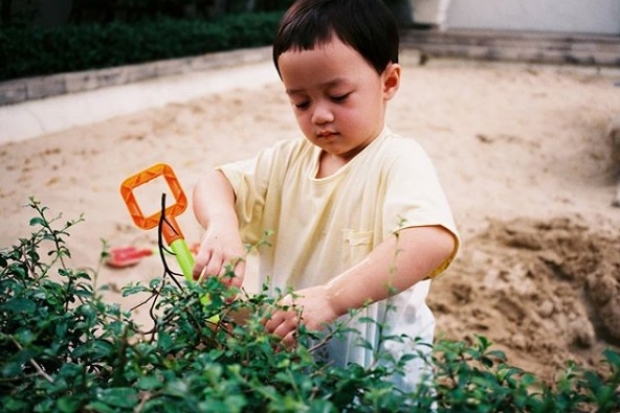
[{"x": 338, "y": 98}]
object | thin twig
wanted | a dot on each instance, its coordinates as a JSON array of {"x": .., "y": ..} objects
[
  {"x": 167, "y": 271},
  {"x": 36, "y": 365},
  {"x": 160, "y": 241},
  {"x": 140, "y": 304}
]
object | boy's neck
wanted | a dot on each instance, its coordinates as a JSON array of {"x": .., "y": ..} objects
[{"x": 330, "y": 164}]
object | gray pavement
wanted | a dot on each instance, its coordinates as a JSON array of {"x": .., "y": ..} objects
[
  {"x": 245, "y": 69},
  {"x": 52, "y": 103}
]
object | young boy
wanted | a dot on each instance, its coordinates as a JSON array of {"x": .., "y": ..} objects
[{"x": 357, "y": 212}]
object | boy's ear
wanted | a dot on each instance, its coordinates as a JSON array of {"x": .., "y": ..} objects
[{"x": 391, "y": 80}]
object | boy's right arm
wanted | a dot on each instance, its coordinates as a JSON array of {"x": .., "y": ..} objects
[{"x": 214, "y": 208}]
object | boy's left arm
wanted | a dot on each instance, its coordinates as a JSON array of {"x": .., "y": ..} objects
[{"x": 395, "y": 265}]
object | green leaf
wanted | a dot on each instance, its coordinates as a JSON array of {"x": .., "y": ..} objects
[
  {"x": 118, "y": 397},
  {"x": 11, "y": 369},
  {"x": 154, "y": 283},
  {"x": 67, "y": 404},
  {"x": 176, "y": 388},
  {"x": 117, "y": 327},
  {"x": 149, "y": 383},
  {"x": 11, "y": 404},
  {"x": 133, "y": 289},
  {"x": 46, "y": 405},
  {"x": 61, "y": 329},
  {"x": 164, "y": 341},
  {"x": 100, "y": 407},
  {"x": 102, "y": 350},
  {"x": 25, "y": 336},
  {"x": 498, "y": 354},
  {"x": 612, "y": 357},
  {"x": 20, "y": 305},
  {"x": 487, "y": 362},
  {"x": 37, "y": 221}
]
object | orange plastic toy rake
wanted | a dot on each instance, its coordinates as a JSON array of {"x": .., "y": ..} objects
[{"x": 170, "y": 230}]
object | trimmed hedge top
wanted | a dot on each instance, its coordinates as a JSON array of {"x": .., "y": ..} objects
[{"x": 38, "y": 51}]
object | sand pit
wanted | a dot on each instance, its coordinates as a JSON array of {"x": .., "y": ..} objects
[{"x": 520, "y": 150}]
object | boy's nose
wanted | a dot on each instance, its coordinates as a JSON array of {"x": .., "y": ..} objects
[{"x": 322, "y": 114}]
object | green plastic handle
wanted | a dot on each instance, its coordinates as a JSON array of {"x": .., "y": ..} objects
[
  {"x": 186, "y": 262},
  {"x": 184, "y": 257}
]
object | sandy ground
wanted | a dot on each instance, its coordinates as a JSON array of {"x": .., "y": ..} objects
[{"x": 520, "y": 150}]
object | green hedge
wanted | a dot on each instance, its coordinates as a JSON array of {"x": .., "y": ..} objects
[
  {"x": 64, "y": 349},
  {"x": 37, "y": 51}
]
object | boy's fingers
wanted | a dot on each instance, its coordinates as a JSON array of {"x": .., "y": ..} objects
[
  {"x": 207, "y": 264},
  {"x": 287, "y": 326},
  {"x": 200, "y": 262},
  {"x": 240, "y": 267},
  {"x": 214, "y": 267},
  {"x": 272, "y": 322},
  {"x": 234, "y": 278},
  {"x": 289, "y": 340},
  {"x": 239, "y": 273}
]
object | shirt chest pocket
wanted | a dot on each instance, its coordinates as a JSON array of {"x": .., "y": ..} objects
[{"x": 357, "y": 245}]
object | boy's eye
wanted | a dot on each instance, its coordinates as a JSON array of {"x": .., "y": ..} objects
[
  {"x": 340, "y": 98},
  {"x": 301, "y": 105}
]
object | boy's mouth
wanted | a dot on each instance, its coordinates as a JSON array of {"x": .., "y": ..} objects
[{"x": 326, "y": 134}]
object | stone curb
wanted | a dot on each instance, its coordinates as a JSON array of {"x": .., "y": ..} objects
[
  {"x": 554, "y": 48},
  {"x": 468, "y": 44},
  {"x": 21, "y": 90}
]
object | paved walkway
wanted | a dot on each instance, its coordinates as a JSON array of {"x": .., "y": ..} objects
[
  {"x": 52, "y": 103},
  {"x": 33, "y": 118}
]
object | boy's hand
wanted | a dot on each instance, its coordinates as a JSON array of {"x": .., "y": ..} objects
[
  {"x": 310, "y": 307},
  {"x": 214, "y": 207},
  {"x": 219, "y": 249}
]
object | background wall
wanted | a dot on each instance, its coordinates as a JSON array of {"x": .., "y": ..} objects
[{"x": 576, "y": 16}]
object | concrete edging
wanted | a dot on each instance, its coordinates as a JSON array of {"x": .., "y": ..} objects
[
  {"x": 556, "y": 48},
  {"x": 31, "y": 88},
  {"x": 528, "y": 47}
]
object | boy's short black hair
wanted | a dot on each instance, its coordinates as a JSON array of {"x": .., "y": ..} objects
[{"x": 367, "y": 26}]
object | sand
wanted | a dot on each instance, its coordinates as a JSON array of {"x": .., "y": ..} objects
[{"x": 520, "y": 150}]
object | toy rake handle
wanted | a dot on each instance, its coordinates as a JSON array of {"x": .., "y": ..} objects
[{"x": 184, "y": 257}]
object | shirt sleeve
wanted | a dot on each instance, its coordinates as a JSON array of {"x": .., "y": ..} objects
[
  {"x": 253, "y": 181},
  {"x": 414, "y": 196},
  {"x": 250, "y": 180}
]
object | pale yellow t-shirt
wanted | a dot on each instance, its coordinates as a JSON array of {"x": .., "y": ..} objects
[{"x": 321, "y": 227}]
